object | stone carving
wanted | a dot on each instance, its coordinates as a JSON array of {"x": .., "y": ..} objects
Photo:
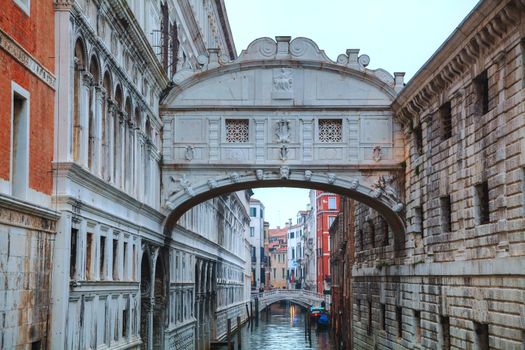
[
  {"x": 376, "y": 153},
  {"x": 285, "y": 172},
  {"x": 259, "y": 174},
  {"x": 364, "y": 60},
  {"x": 283, "y": 81},
  {"x": 186, "y": 185},
  {"x": 212, "y": 184},
  {"x": 398, "y": 207},
  {"x": 354, "y": 184},
  {"x": 331, "y": 178},
  {"x": 283, "y": 154},
  {"x": 189, "y": 154},
  {"x": 282, "y": 85},
  {"x": 235, "y": 177},
  {"x": 384, "y": 186},
  {"x": 283, "y": 131},
  {"x": 308, "y": 175}
]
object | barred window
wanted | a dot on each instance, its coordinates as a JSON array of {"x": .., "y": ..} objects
[
  {"x": 330, "y": 130},
  {"x": 237, "y": 130}
]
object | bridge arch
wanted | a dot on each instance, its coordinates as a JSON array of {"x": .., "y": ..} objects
[{"x": 283, "y": 115}]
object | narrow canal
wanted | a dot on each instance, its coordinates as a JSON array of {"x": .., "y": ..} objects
[{"x": 282, "y": 328}]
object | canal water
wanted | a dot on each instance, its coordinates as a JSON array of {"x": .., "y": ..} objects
[{"x": 282, "y": 328}]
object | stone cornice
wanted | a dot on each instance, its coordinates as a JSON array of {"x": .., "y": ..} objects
[
  {"x": 84, "y": 178},
  {"x": 18, "y": 205},
  {"x": 479, "y": 32}
]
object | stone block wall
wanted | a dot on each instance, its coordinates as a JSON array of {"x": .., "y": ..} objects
[
  {"x": 461, "y": 282},
  {"x": 25, "y": 266}
]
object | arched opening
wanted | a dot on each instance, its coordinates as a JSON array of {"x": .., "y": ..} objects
[
  {"x": 117, "y": 137},
  {"x": 92, "y": 120},
  {"x": 160, "y": 302},
  {"x": 106, "y": 127},
  {"x": 128, "y": 145},
  {"x": 80, "y": 66},
  {"x": 145, "y": 299}
]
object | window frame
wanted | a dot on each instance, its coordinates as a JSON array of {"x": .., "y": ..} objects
[{"x": 24, "y": 183}]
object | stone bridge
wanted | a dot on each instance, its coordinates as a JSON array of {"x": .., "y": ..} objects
[{"x": 300, "y": 297}]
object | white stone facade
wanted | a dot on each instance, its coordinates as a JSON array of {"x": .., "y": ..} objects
[{"x": 256, "y": 239}]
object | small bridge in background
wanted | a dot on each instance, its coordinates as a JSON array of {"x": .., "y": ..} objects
[{"x": 300, "y": 297}]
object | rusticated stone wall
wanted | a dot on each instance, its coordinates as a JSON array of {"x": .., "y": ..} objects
[{"x": 461, "y": 282}]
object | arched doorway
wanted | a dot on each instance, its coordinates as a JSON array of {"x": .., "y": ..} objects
[
  {"x": 145, "y": 299},
  {"x": 159, "y": 308}
]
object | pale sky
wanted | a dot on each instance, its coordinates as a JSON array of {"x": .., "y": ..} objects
[{"x": 397, "y": 35}]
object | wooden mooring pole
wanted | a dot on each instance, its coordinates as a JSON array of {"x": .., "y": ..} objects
[
  {"x": 229, "y": 334},
  {"x": 239, "y": 332}
]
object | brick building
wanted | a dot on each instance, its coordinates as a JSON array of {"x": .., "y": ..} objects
[
  {"x": 341, "y": 263},
  {"x": 457, "y": 281},
  {"x": 27, "y": 216},
  {"x": 326, "y": 210}
]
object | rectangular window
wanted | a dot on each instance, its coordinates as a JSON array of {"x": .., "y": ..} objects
[
  {"x": 252, "y": 231},
  {"x": 292, "y": 235},
  {"x": 383, "y": 316},
  {"x": 253, "y": 212},
  {"x": 115, "y": 259},
  {"x": 261, "y": 212},
  {"x": 446, "y": 214},
  {"x": 445, "y": 332},
  {"x": 293, "y": 253},
  {"x": 384, "y": 227},
  {"x": 125, "y": 260},
  {"x": 372, "y": 232},
  {"x": 399, "y": 319},
  {"x": 283, "y": 273},
  {"x": 330, "y": 130},
  {"x": 274, "y": 273},
  {"x": 418, "y": 140},
  {"x": 482, "y": 203},
  {"x": 482, "y": 335},
  {"x": 332, "y": 203},
  {"x": 102, "y": 264},
  {"x": 481, "y": 89},
  {"x": 237, "y": 130},
  {"x": 445, "y": 117},
  {"x": 73, "y": 254},
  {"x": 369, "y": 327},
  {"x": 125, "y": 315},
  {"x": 419, "y": 219},
  {"x": 331, "y": 220},
  {"x": 417, "y": 325},
  {"x": 19, "y": 142},
  {"x": 89, "y": 254},
  {"x": 361, "y": 239},
  {"x": 359, "y": 309}
]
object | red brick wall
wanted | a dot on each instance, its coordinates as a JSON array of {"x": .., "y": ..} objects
[{"x": 36, "y": 34}]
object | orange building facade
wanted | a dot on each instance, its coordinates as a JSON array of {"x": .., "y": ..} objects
[
  {"x": 27, "y": 221},
  {"x": 327, "y": 208}
]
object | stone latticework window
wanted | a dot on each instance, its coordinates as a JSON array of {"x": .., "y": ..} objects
[
  {"x": 237, "y": 130},
  {"x": 330, "y": 130}
]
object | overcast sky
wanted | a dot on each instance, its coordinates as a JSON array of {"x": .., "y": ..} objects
[{"x": 398, "y": 35}]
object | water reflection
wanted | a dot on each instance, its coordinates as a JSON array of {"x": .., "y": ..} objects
[{"x": 283, "y": 328}]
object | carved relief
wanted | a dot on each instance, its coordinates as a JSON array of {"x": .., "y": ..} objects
[
  {"x": 331, "y": 178},
  {"x": 282, "y": 85},
  {"x": 235, "y": 177},
  {"x": 308, "y": 175},
  {"x": 189, "y": 153},
  {"x": 384, "y": 186},
  {"x": 283, "y": 131},
  {"x": 376, "y": 153},
  {"x": 212, "y": 184},
  {"x": 284, "y": 172},
  {"x": 354, "y": 184},
  {"x": 283, "y": 153},
  {"x": 259, "y": 174}
]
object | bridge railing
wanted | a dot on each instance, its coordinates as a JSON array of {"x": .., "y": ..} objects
[{"x": 293, "y": 293}]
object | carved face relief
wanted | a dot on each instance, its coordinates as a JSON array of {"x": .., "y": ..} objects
[
  {"x": 235, "y": 177},
  {"x": 308, "y": 175},
  {"x": 354, "y": 184},
  {"x": 331, "y": 178},
  {"x": 285, "y": 172},
  {"x": 259, "y": 174}
]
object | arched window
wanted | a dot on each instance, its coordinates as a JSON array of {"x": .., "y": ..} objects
[
  {"x": 106, "y": 127},
  {"x": 94, "y": 70},
  {"x": 117, "y": 137},
  {"x": 77, "y": 108}
]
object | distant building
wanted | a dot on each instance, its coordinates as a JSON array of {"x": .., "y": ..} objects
[
  {"x": 327, "y": 208},
  {"x": 296, "y": 245},
  {"x": 309, "y": 235},
  {"x": 256, "y": 239},
  {"x": 278, "y": 248},
  {"x": 266, "y": 258}
]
